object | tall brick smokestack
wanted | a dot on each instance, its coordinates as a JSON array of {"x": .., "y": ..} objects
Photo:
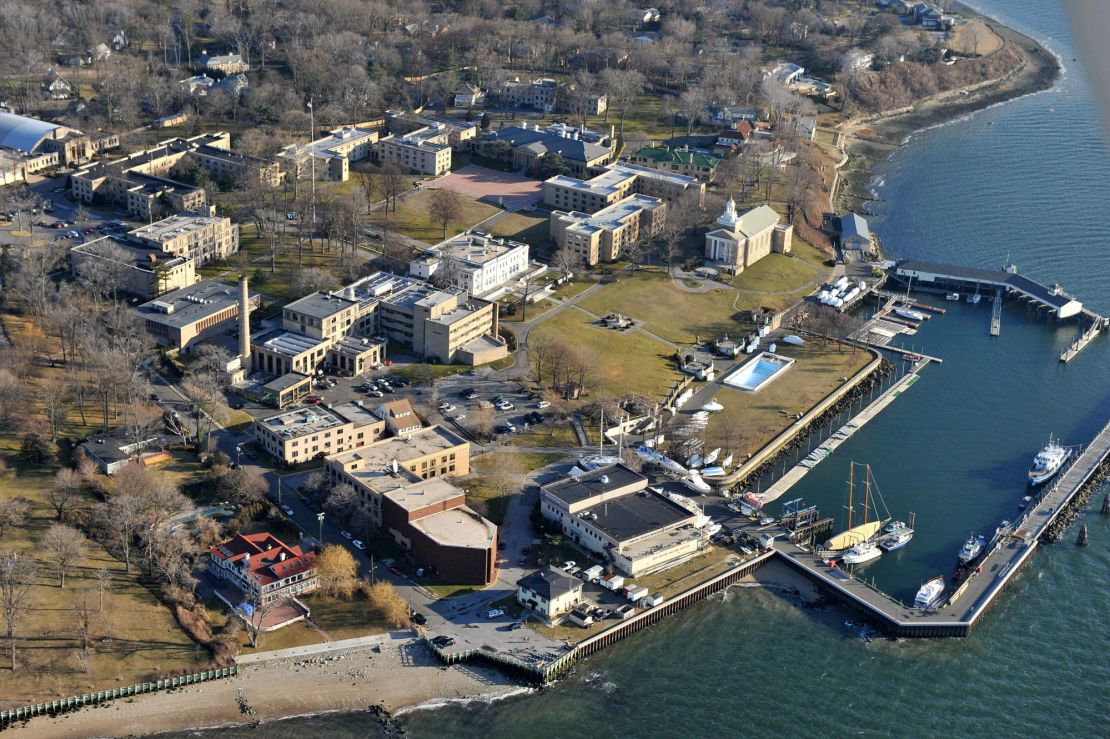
[{"x": 244, "y": 324}]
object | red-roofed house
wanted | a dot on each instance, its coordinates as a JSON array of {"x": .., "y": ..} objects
[{"x": 264, "y": 568}]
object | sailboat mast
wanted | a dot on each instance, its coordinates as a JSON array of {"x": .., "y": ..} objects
[
  {"x": 851, "y": 487},
  {"x": 866, "y": 493}
]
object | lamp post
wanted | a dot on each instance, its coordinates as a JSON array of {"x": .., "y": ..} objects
[
  {"x": 238, "y": 454},
  {"x": 320, "y": 518}
]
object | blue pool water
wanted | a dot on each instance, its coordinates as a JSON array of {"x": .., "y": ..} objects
[{"x": 753, "y": 375}]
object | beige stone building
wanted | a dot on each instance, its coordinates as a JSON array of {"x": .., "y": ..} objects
[
  {"x": 603, "y": 235},
  {"x": 186, "y": 316},
  {"x": 333, "y": 154},
  {"x": 743, "y": 239},
  {"x": 202, "y": 238},
  {"x": 460, "y": 134},
  {"x": 226, "y": 63},
  {"x": 144, "y": 272},
  {"x": 425, "y": 150},
  {"x": 311, "y": 432},
  {"x": 144, "y": 182},
  {"x": 615, "y": 183}
]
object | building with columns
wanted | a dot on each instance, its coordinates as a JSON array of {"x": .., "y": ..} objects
[{"x": 743, "y": 239}]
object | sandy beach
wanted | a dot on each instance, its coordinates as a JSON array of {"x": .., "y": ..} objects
[{"x": 403, "y": 674}]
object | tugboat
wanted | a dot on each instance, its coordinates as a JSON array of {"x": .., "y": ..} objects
[
  {"x": 971, "y": 548},
  {"x": 929, "y": 593},
  {"x": 1048, "y": 462}
]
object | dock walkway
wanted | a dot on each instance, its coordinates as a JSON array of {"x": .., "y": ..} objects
[{"x": 1006, "y": 554}]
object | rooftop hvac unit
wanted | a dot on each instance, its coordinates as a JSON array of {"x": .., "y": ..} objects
[{"x": 161, "y": 306}]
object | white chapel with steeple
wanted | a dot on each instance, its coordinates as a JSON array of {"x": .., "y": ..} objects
[{"x": 742, "y": 239}]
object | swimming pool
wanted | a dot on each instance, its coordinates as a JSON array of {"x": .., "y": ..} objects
[{"x": 758, "y": 372}]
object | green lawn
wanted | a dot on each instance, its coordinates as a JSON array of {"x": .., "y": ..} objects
[
  {"x": 669, "y": 312},
  {"x": 750, "y": 420},
  {"x": 570, "y": 289},
  {"x": 413, "y": 219},
  {"x": 625, "y": 363},
  {"x": 533, "y": 230},
  {"x": 519, "y": 314},
  {"x": 777, "y": 273},
  {"x": 549, "y": 435}
]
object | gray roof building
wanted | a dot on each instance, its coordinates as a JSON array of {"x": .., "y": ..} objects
[{"x": 550, "y": 583}]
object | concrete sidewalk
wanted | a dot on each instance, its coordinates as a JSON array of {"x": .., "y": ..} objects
[{"x": 327, "y": 647}]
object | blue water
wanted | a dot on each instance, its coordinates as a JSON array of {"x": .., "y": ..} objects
[
  {"x": 1026, "y": 181},
  {"x": 752, "y": 375}
]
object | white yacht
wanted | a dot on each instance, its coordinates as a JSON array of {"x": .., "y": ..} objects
[
  {"x": 929, "y": 593},
  {"x": 896, "y": 539},
  {"x": 1048, "y": 462},
  {"x": 865, "y": 551},
  {"x": 971, "y": 548}
]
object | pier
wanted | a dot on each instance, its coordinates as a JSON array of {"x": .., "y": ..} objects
[
  {"x": 1008, "y": 283},
  {"x": 1005, "y": 554}
]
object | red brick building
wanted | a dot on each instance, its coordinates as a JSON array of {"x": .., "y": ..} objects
[{"x": 431, "y": 519}]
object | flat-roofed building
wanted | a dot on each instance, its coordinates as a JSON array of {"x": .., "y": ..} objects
[
  {"x": 426, "y": 150},
  {"x": 460, "y": 134},
  {"x": 333, "y": 154},
  {"x": 602, "y": 236},
  {"x": 612, "y": 512},
  {"x": 143, "y": 181},
  {"x": 278, "y": 352},
  {"x": 743, "y": 239},
  {"x": 616, "y": 182},
  {"x": 443, "y": 324},
  {"x": 141, "y": 270},
  {"x": 183, "y": 317},
  {"x": 474, "y": 261},
  {"x": 432, "y": 451},
  {"x": 201, "y": 238},
  {"x": 303, "y": 434}
]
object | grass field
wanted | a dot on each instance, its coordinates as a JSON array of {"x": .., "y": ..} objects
[
  {"x": 532, "y": 230},
  {"x": 534, "y": 310},
  {"x": 550, "y": 435},
  {"x": 332, "y": 620},
  {"x": 625, "y": 363},
  {"x": 750, "y": 420},
  {"x": 671, "y": 313},
  {"x": 412, "y": 217}
]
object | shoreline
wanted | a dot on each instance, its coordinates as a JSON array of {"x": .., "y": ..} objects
[
  {"x": 870, "y": 142},
  {"x": 383, "y": 683}
]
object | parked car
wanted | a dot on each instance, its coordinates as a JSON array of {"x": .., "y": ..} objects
[
  {"x": 516, "y": 625},
  {"x": 446, "y": 408},
  {"x": 495, "y": 613},
  {"x": 443, "y": 641},
  {"x": 501, "y": 429},
  {"x": 458, "y": 417},
  {"x": 286, "y": 510},
  {"x": 346, "y": 535},
  {"x": 376, "y": 394},
  {"x": 314, "y": 400},
  {"x": 543, "y": 404},
  {"x": 418, "y": 618},
  {"x": 306, "y": 500},
  {"x": 359, "y": 545}
]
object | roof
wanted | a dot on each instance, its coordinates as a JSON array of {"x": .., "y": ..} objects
[
  {"x": 752, "y": 222},
  {"x": 116, "y": 445},
  {"x": 286, "y": 343},
  {"x": 396, "y": 409},
  {"x": 174, "y": 226},
  {"x": 613, "y": 216},
  {"x": 550, "y": 583},
  {"x": 321, "y": 304},
  {"x": 300, "y": 422},
  {"x": 426, "y": 441},
  {"x": 264, "y": 557},
  {"x": 191, "y": 304},
  {"x": 613, "y": 477},
  {"x": 678, "y": 156},
  {"x": 852, "y": 224},
  {"x": 632, "y": 516},
  {"x": 1054, "y": 298},
  {"x": 434, "y": 491},
  {"x": 461, "y": 528},
  {"x": 541, "y": 141},
  {"x": 23, "y": 134}
]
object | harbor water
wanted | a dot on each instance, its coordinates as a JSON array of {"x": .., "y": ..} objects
[{"x": 1025, "y": 181}]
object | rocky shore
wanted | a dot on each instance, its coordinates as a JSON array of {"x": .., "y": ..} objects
[{"x": 872, "y": 141}]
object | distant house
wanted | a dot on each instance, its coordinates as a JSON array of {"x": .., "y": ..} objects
[
  {"x": 732, "y": 114},
  {"x": 549, "y": 592},
  {"x": 226, "y": 63},
  {"x": 233, "y": 84},
  {"x": 198, "y": 85},
  {"x": 683, "y": 161},
  {"x": 56, "y": 88},
  {"x": 468, "y": 96},
  {"x": 114, "y": 450},
  {"x": 120, "y": 40},
  {"x": 857, "y": 60},
  {"x": 785, "y": 72},
  {"x": 854, "y": 233},
  {"x": 100, "y": 52}
]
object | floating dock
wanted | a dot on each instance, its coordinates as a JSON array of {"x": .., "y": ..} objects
[{"x": 960, "y": 611}]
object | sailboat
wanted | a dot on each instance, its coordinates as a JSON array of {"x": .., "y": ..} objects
[
  {"x": 711, "y": 457},
  {"x": 865, "y": 531}
]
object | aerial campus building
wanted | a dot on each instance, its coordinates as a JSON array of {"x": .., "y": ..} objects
[
  {"x": 603, "y": 235},
  {"x": 28, "y": 145},
  {"x": 743, "y": 239}
]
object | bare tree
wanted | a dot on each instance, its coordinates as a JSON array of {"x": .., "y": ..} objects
[
  {"x": 84, "y": 613},
  {"x": 17, "y": 578},
  {"x": 64, "y": 546},
  {"x": 65, "y": 491},
  {"x": 104, "y": 584},
  {"x": 13, "y": 513},
  {"x": 622, "y": 87},
  {"x": 244, "y": 485},
  {"x": 444, "y": 206}
]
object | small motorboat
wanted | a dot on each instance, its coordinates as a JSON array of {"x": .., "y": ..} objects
[
  {"x": 711, "y": 457},
  {"x": 713, "y": 407},
  {"x": 971, "y": 548},
  {"x": 713, "y": 471},
  {"x": 952, "y": 296},
  {"x": 910, "y": 314},
  {"x": 865, "y": 551},
  {"x": 698, "y": 485},
  {"x": 974, "y": 299},
  {"x": 794, "y": 340}
]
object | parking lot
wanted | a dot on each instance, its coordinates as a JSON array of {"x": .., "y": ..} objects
[
  {"x": 52, "y": 192},
  {"x": 514, "y": 408}
]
